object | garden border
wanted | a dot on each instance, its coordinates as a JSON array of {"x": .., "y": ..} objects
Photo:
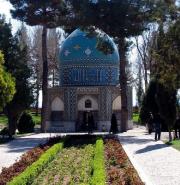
[
  {"x": 32, "y": 171},
  {"x": 99, "y": 174}
]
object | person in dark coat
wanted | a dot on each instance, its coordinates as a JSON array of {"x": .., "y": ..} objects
[
  {"x": 177, "y": 128},
  {"x": 157, "y": 125},
  {"x": 114, "y": 126},
  {"x": 150, "y": 123}
]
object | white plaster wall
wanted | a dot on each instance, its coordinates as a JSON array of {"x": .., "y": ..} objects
[
  {"x": 57, "y": 105},
  {"x": 117, "y": 103},
  {"x": 81, "y": 103}
]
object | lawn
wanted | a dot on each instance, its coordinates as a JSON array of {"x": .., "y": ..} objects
[
  {"x": 3, "y": 120},
  {"x": 136, "y": 117},
  {"x": 175, "y": 144},
  {"x": 36, "y": 119}
]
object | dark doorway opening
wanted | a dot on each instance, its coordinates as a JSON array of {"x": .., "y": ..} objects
[{"x": 86, "y": 122}]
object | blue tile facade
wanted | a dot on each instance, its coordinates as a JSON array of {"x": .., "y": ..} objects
[{"x": 82, "y": 64}]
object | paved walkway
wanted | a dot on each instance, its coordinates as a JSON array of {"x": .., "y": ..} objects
[
  {"x": 156, "y": 163},
  {"x": 11, "y": 151}
]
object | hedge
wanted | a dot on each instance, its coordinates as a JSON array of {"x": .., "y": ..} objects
[
  {"x": 31, "y": 172},
  {"x": 99, "y": 176}
]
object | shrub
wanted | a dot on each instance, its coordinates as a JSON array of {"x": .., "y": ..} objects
[
  {"x": 99, "y": 177},
  {"x": 4, "y": 132},
  {"x": 26, "y": 123},
  {"x": 28, "y": 176}
]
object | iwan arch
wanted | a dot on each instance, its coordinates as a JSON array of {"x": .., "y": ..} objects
[{"x": 89, "y": 90}]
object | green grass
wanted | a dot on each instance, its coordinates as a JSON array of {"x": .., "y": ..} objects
[
  {"x": 135, "y": 117},
  {"x": 36, "y": 119},
  {"x": 175, "y": 144},
  {"x": 3, "y": 120}
]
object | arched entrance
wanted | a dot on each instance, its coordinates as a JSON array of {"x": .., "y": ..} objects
[
  {"x": 87, "y": 114},
  {"x": 116, "y": 109},
  {"x": 57, "y": 109}
]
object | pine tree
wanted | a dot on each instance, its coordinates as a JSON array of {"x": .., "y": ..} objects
[
  {"x": 15, "y": 56},
  {"x": 7, "y": 85}
]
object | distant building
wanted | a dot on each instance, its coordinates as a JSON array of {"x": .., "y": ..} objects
[{"x": 89, "y": 90}]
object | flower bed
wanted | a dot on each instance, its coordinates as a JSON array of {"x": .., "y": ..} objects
[
  {"x": 31, "y": 172},
  {"x": 118, "y": 167},
  {"x": 72, "y": 166},
  {"x": 26, "y": 160}
]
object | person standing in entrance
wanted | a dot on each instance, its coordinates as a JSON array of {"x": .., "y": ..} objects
[{"x": 157, "y": 125}]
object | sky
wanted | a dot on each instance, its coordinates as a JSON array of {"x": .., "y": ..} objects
[{"x": 5, "y": 7}]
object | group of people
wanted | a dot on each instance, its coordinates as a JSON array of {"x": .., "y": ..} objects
[{"x": 155, "y": 123}]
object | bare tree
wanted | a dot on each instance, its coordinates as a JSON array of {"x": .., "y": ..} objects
[
  {"x": 36, "y": 60},
  {"x": 53, "y": 40},
  {"x": 145, "y": 44},
  {"x": 36, "y": 63}
]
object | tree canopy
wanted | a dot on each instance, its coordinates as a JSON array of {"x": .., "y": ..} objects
[
  {"x": 7, "y": 85},
  {"x": 15, "y": 57}
]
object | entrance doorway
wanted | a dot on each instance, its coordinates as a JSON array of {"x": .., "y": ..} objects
[
  {"x": 86, "y": 121},
  {"x": 87, "y": 113}
]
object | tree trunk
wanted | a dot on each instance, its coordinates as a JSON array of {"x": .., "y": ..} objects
[
  {"x": 170, "y": 135},
  {"x": 123, "y": 84},
  {"x": 37, "y": 99},
  {"x": 53, "y": 78},
  {"x": 12, "y": 120},
  {"x": 45, "y": 78},
  {"x": 145, "y": 76}
]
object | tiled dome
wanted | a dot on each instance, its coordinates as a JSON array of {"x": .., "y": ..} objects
[{"x": 83, "y": 64}]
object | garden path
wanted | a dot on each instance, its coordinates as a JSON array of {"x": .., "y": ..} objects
[
  {"x": 156, "y": 162},
  {"x": 11, "y": 151}
]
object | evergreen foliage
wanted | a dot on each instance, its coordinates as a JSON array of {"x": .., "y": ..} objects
[
  {"x": 7, "y": 85},
  {"x": 159, "y": 99},
  {"x": 15, "y": 57},
  {"x": 167, "y": 56},
  {"x": 26, "y": 123}
]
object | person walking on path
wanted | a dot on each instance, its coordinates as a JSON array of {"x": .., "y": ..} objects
[
  {"x": 157, "y": 125},
  {"x": 177, "y": 128},
  {"x": 150, "y": 123}
]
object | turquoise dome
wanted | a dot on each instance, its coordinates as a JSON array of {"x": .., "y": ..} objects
[{"x": 82, "y": 63}]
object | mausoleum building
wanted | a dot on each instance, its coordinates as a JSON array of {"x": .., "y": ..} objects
[{"x": 89, "y": 90}]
